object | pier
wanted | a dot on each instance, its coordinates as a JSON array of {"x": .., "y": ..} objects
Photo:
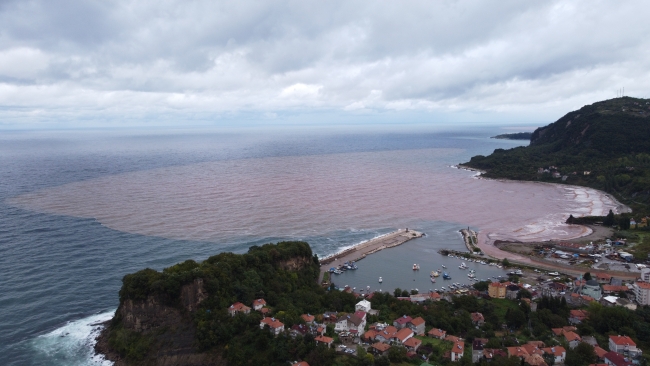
[{"x": 360, "y": 251}]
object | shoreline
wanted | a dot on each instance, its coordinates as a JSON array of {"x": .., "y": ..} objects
[
  {"x": 487, "y": 244},
  {"x": 363, "y": 249}
]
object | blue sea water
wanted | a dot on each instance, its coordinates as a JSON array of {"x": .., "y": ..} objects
[{"x": 60, "y": 275}]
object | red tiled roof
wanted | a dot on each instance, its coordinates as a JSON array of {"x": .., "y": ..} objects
[
  {"x": 259, "y": 302},
  {"x": 622, "y": 340},
  {"x": 517, "y": 351},
  {"x": 616, "y": 359},
  {"x": 273, "y": 323},
  {"x": 555, "y": 351},
  {"x": 412, "y": 342},
  {"x": 403, "y": 333},
  {"x": 437, "y": 332},
  {"x": 452, "y": 338},
  {"x": 417, "y": 321},
  {"x": 307, "y": 318},
  {"x": 371, "y": 334},
  {"x": 571, "y": 336},
  {"x": 477, "y": 317},
  {"x": 643, "y": 285},
  {"x": 532, "y": 349},
  {"x": 381, "y": 347},
  {"x": 458, "y": 347},
  {"x": 324, "y": 339},
  {"x": 403, "y": 320},
  {"x": 578, "y": 314},
  {"x": 599, "y": 352},
  {"x": 301, "y": 363}
]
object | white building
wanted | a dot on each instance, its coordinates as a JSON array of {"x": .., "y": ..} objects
[
  {"x": 642, "y": 292},
  {"x": 363, "y": 305}
]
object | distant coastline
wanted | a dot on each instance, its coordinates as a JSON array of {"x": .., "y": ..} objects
[{"x": 514, "y": 136}]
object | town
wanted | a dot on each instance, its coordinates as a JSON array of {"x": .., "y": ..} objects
[{"x": 543, "y": 324}]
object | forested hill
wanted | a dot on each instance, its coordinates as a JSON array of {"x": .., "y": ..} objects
[{"x": 605, "y": 145}]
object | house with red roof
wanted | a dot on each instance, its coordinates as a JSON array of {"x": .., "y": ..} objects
[
  {"x": 457, "y": 351},
  {"x": 517, "y": 352},
  {"x": 301, "y": 363},
  {"x": 558, "y": 353},
  {"x": 599, "y": 352},
  {"x": 258, "y": 304},
  {"x": 535, "y": 360},
  {"x": 238, "y": 307},
  {"x": 402, "y": 321},
  {"x": 417, "y": 325},
  {"x": 402, "y": 335},
  {"x": 623, "y": 345},
  {"x": 386, "y": 334},
  {"x": 369, "y": 336},
  {"x": 380, "y": 349},
  {"x": 437, "y": 333},
  {"x": 577, "y": 316},
  {"x": 412, "y": 344},
  {"x": 477, "y": 319},
  {"x": 573, "y": 339},
  {"x": 615, "y": 359},
  {"x": 324, "y": 340},
  {"x": 532, "y": 349},
  {"x": 308, "y": 318},
  {"x": 299, "y": 330},
  {"x": 274, "y": 325}
]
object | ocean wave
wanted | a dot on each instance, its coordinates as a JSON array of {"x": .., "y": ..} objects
[{"x": 73, "y": 343}]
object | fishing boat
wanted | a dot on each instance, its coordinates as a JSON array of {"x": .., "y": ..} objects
[{"x": 380, "y": 280}]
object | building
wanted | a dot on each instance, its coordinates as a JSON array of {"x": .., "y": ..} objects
[
  {"x": 497, "y": 290},
  {"x": 477, "y": 319},
  {"x": 412, "y": 344},
  {"x": 477, "y": 350},
  {"x": 402, "y": 335},
  {"x": 602, "y": 278},
  {"x": 275, "y": 326},
  {"x": 363, "y": 305},
  {"x": 321, "y": 339},
  {"x": 308, "y": 318},
  {"x": 623, "y": 345},
  {"x": 417, "y": 325},
  {"x": 645, "y": 274},
  {"x": 380, "y": 349},
  {"x": 642, "y": 292},
  {"x": 573, "y": 339},
  {"x": 558, "y": 353},
  {"x": 517, "y": 352},
  {"x": 592, "y": 289},
  {"x": 258, "y": 304},
  {"x": 511, "y": 291},
  {"x": 401, "y": 322},
  {"x": 301, "y": 363},
  {"x": 615, "y": 359},
  {"x": 577, "y": 316},
  {"x": 437, "y": 333},
  {"x": 457, "y": 351},
  {"x": 238, "y": 307}
]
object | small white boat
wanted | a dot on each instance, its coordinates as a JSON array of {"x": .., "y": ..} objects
[
  {"x": 416, "y": 267},
  {"x": 433, "y": 279},
  {"x": 443, "y": 266},
  {"x": 380, "y": 280}
]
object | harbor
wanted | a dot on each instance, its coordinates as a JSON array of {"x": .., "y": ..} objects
[{"x": 358, "y": 252}]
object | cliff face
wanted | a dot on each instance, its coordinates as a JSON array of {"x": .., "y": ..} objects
[
  {"x": 171, "y": 317},
  {"x": 171, "y": 328}
]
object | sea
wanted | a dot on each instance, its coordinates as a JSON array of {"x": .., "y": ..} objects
[{"x": 79, "y": 209}]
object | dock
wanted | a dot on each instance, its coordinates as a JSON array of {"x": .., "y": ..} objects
[{"x": 360, "y": 251}]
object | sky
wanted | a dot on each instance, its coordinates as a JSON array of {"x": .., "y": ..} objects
[{"x": 85, "y": 63}]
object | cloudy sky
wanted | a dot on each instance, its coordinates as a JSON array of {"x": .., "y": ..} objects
[{"x": 115, "y": 62}]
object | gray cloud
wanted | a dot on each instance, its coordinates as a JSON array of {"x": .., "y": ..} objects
[{"x": 99, "y": 60}]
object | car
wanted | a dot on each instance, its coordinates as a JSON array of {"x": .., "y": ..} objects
[{"x": 553, "y": 274}]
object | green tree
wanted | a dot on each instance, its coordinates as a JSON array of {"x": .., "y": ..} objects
[
  {"x": 609, "y": 219},
  {"x": 582, "y": 355},
  {"x": 505, "y": 262},
  {"x": 587, "y": 276}
]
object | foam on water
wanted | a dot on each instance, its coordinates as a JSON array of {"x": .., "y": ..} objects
[{"x": 73, "y": 343}]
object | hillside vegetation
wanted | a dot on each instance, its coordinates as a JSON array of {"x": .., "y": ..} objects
[{"x": 605, "y": 146}]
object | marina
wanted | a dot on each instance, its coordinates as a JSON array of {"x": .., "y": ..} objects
[{"x": 394, "y": 267}]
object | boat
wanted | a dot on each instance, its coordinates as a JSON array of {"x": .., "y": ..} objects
[
  {"x": 433, "y": 279},
  {"x": 443, "y": 266},
  {"x": 446, "y": 276},
  {"x": 416, "y": 267},
  {"x": 435, "y": 274},
  {"x": 471, "y": 275},
  {"x": 443, "y": 288},
  {"x": 462, "y": 265},
  {"x": 380, "y": 280}
]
